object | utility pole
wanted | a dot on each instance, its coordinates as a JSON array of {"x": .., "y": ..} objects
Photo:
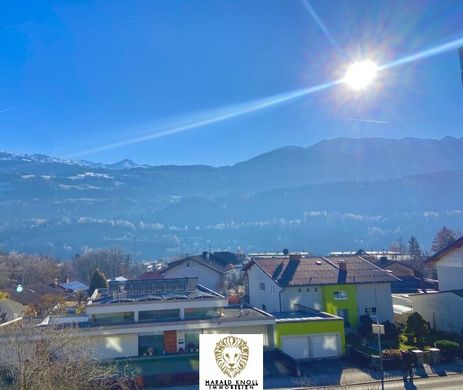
[
  {"x": 379, "y": 328},
  {"x": 461, "y": 64},
  {"x": 134, "y": 238}
]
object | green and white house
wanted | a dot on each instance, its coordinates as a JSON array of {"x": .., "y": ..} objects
[{"x": 315, "y": 299}]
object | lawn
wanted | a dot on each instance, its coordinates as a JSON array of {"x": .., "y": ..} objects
[{"x": 161, "y": 365}]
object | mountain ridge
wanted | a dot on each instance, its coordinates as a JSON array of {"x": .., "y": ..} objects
[{"x": 359, "y": 192}]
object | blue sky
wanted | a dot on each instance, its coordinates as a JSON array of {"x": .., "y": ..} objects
[{"x": 79, "y": 76}]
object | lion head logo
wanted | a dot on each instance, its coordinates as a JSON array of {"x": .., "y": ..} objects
[{"x": 231, "y": 355}]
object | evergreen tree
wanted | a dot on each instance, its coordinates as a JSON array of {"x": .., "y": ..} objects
[
  {"x": 414, "y": 248},
  {"x": 417, "y": 326},
  {"x": 98, "y": 280},
  {"x": 444, "y": 238}
]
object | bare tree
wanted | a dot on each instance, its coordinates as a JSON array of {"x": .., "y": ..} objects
[{"x": 50, "y": 358}]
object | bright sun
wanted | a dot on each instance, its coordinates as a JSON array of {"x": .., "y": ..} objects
[{"x": 360, "y": 74}]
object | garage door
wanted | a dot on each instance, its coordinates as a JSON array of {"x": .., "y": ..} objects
[
  {"x": 325, "y": 346},
  {"x": 295, "y": 346}
]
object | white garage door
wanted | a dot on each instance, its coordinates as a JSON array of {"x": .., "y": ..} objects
[
  {"x": 325, "y": 346},
  {"x": 295, "y": 346}
]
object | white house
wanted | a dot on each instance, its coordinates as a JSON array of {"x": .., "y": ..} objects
[
  {"x": 210, "y": 272},
  {"x": 165, "y": 316},
  {"x": 444, "y": 309},
  {"x": 344, "y": 286},
  {"x": 449, "y": 265}
]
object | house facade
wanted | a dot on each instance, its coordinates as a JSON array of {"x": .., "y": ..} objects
[
  {"x": 210, "y": 273},
  {"x": 449, "y": 265},
  {"x": 140, "y": 318},
  {"x": 347, "y": 287},
  {"x": 443, "y": 309},
  {"x": 165, "y": 316}
]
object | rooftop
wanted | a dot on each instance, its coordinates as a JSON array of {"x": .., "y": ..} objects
[
  {"x": 295, "y": 270},
  {"x": 210, "y": 260},
  {"x": 135, "y": 291},
  {"x": 448, "y": 249},
  {"x": 302, "y": 315}
]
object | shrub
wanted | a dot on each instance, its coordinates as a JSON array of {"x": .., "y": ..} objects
[
  {"x": 391, "y": 335},
  {"x": 417, "y": 326},
  {"x": 449, "y": 349},
  {"x": 365, "y": 326}
]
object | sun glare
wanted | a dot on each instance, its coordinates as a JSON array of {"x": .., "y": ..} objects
[{"x": 360, "y": 74}]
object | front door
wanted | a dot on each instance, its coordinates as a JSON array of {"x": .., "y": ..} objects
[{"x": 170, "y": 341}]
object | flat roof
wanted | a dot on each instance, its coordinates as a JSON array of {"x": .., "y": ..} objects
[
  {"x": 238, "y": 312},
  {"x": 200, "y": 292},
  {"x": 300, "y": 315}
]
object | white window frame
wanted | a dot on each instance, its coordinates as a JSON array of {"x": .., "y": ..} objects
[{"x": 340, "y": 295}]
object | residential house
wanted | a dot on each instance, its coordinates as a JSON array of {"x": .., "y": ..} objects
[
  {"x": 211, "y": 270},
  {"x": 344, "y": 286},
  {"x": 444, "y": 309},
  {"x": 409, "y": 272},
  {"x": 449, "y": 265},
  {"x": 31, "y": 295},
  {"x": 164, "y": 316}
]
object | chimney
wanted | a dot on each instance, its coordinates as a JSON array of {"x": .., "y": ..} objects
[{"x": 342, "y": 265}]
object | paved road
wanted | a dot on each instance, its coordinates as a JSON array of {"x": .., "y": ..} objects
[{"x": 452, "y": 382}]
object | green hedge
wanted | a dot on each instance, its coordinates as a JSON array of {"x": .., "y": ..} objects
[{"x": 450, "y": 350}]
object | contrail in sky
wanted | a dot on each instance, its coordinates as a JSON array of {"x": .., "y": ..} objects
[
  {"x": 6, "y": 110},
  {"x": 230, "y": 112},
  {"x": 342, "y": 118}
]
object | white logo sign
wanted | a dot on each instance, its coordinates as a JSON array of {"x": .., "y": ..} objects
[{"x": 230, "y": 362}]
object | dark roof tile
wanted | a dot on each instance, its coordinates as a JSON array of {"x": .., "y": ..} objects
[{"x": 322, "y": 270}]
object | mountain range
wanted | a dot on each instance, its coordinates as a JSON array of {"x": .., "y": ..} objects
[{"x": 339, "y": 194}]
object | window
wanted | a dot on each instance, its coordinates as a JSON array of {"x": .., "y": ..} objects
[
  {"x": 159, "y": 315},
  {"x": 307, "y": 290},
  {"x": 188, "y": 264},
  {"x": 106, "y": 318},
  {"x": 201, "y": 313},
  {"x": 315, "y": 289},
  {"x": 299, "y": 290},
  {"x": 261, "y": 286},
  {"x": 367, "y": 310},
  {"x": 264, "y": 307},
  {"x": 373, "y": 310},
  {"x": 340, "y": 295}
]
